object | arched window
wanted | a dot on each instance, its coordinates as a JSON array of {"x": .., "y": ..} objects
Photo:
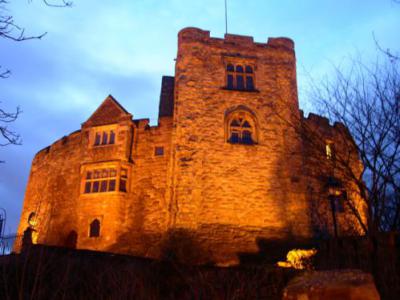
[
  {"x": 241, "y": 127},
  {"x": 105, "y": 138},
  {"x": 249, "y": 69},
  {"x": 94, "y": 230},
  {"x": 239, "y": 77},
  {"x": 330, "y": 150},
  {"x": 239, "y": 69},
  {"x": 112, "y": 137},
  {"x": 97, "y": 139},
  {"x": 32, "y": 219}
]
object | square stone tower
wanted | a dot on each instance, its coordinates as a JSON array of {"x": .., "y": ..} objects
[{"x": 236, "y": 157}]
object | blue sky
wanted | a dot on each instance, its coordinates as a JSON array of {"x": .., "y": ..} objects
[{"x": 123, "y": 48}]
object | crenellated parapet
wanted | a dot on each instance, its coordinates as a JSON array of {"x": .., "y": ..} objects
[
  {"x": 323, "y": 125},
  {"x": 192, "y": 34}
]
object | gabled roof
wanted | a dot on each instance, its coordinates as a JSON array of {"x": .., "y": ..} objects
[{"x": 109, "y": 112}]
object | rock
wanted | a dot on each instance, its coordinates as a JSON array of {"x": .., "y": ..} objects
[{"x": 332, "y": 285}]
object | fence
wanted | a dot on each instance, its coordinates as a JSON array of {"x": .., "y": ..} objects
[{"x": 8, "y": 242}]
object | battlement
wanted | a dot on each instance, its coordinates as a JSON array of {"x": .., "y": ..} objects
[
  {"x": 58, "y": 144},
  {"x": 318, "y": 120},
  {"x": 323, "y": 123},
  {"x": 192, "y": 34}
]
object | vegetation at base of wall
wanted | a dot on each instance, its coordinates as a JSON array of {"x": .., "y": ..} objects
[
  {"x": 378, "y": 255},
  {"x": 44, "y": 272},
  {"x": 56, "y": 273}
]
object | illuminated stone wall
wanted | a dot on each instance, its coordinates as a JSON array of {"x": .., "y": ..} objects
[
  {"x": 217, "y": 198},
  {"x": 343, "y": 165},
  {"x": 129, "y": 221},
  {"x": 230, "y": 193}
]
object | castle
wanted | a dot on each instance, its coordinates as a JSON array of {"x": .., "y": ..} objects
[{"x": 231, "y": 161}]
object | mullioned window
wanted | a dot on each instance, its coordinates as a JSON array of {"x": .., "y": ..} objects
[
  {"x": 104, "y": 138},
  {"x": 105, "y": 180},
  {"x": 239, "y": 77},
  {"x": 241, "y": 127}
]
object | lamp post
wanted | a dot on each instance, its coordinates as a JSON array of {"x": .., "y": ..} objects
[
  {"x": 334, "y": 192},
  {"x": 3, "y": 218},
  {"x": 331, "y": 197}
]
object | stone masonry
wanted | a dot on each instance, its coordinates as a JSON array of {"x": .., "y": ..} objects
[{"x": 188, "y": 179}]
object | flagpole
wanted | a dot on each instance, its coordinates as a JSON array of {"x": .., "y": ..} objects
[{"x": 226, "y": 17}]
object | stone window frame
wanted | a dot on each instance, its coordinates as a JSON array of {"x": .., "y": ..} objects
[
  {"x": 32, "y": 219},
  {"x": 122, "y": 178},
  {"x": 159, "y": 151},
  {"x": 95, "y": 228},
  {"x": 330, "y": 152},
  {"x": 99, "y": 133},
  {"x": 89, "y": 222},
  {"x": 338, "y": 193},
  {"x": 245, "y": 73},
  {"x": 247, "y": 115},
  {"x": 339, "y": 200},
  {"x": 235, "y": 61}
]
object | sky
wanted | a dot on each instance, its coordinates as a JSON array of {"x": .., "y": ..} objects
[{"x": 97, "y": 48}]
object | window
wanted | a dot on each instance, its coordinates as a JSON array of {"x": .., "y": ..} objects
[
  {"x": 330, "y": 150},
  {"x": 159, "y": 151},
  {"x": 102, "y": 180},
  {"x": 241, "y": 128},
  {"x": 94, "y": 230},
  {"x": 104, "y": 138},
  {"x": 97, "y": 139},
  {"x": 337, "y": 194},
  {"x": 339, "y": 201},
  {"x": 123, "y": 180},
  {"x": 32, "y": 219},
  {"x": 112, "y": 137},
  {"x": 239, "y": 77}
]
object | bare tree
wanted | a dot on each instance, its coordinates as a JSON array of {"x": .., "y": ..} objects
[
  {"x": 366, "y": 99},
  {"x": 10, "y": 30}
]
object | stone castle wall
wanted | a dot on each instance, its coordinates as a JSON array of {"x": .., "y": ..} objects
[
  {"x": 217, "y": 198},
  {"x": 129, "y": 221},
  {"x": 239, "y": 192},
  {"x": 316, "y": 134}
]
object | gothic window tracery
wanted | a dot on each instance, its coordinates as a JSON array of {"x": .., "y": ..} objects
[{"x": 241, "y": 128}]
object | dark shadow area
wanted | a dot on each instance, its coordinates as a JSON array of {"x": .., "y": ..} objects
[
  {"x": 181, "y": 246},
  {"x": 71, "y": 240},
  {"x": 377, "y": 255},
  {"x": 44, "y": 272}
]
